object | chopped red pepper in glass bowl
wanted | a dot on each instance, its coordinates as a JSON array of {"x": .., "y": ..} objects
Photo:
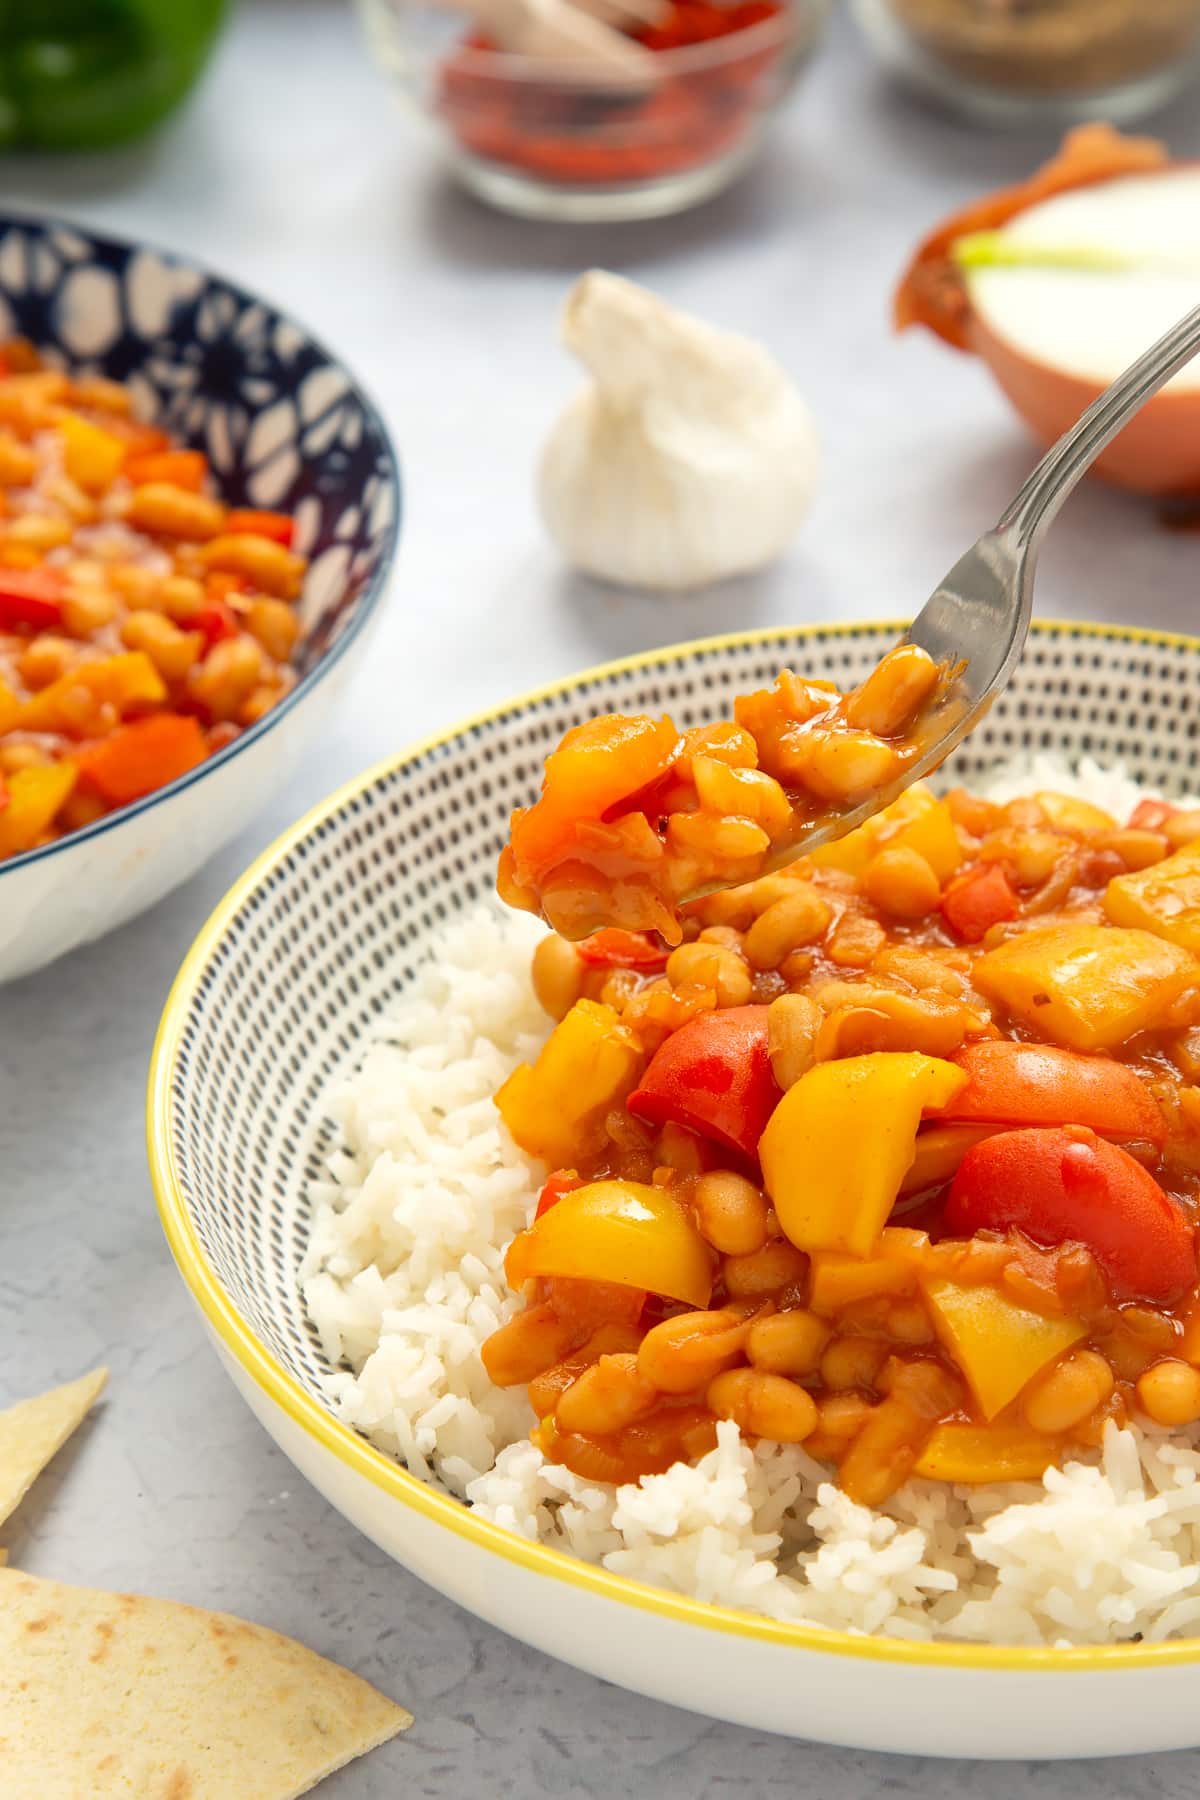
[{"x": 555, "y": 140}]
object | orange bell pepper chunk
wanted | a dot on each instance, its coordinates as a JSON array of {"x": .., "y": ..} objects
[
  {"x": 34, "y": 798},
  {"x": 596, "y": 767},
  {"x": 139, "y": 757},
  {"x": 626, "y": 1232},
  {"x": 121, "y": 681},
  {"x": 182, "y": 468},
  {"x": 279, "y": 527},
  {"x": 931, "y": 290}
]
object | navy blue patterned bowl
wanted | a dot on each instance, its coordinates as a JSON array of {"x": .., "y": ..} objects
[{"x": 284, "y": 425}]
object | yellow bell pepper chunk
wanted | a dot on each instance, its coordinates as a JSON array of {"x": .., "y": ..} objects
[
  {"x": 34, "y": 797},
  {"x": 1068, "y": 814},
  {"x": 1164, "y": 899},
  {"x": 979, "y": 1453},
  {"x": 998, "y": 1345},
  {"x": 1087, "y": 987},
  {"x": 10, "y": 706},
  {"x": 837, "y": 1146},
  {"x": 621, "y": 1231},
  {"x": 121, "y": 681},
  {"x": 91, "y": 455},
  {"x": 555, "y": 1107},
  {"x": 915, "y": 821},
  {"x": 836, "y": 1280}
]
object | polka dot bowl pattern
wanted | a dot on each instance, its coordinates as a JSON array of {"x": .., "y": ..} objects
[
  {"x": 270, "y": 1010},
  {"x": 284, "y": 425}
]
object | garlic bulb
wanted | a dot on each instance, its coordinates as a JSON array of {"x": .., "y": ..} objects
[{"x": 690, "y": 457}]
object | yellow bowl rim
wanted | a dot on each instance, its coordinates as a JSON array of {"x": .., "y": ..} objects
[{"x": 362, "y": 1458}]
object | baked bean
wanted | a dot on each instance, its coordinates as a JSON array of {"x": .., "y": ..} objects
[
  {"x": 15, "y": 757},
  {"x": 137, "y": 585},
  {"x": 799, "y": 918},
  {"x": 227, "y": 675},
  {"x": 713, "y": 844},
  {"x": 39, "y": 531},
  {"x": 103, "y": 395},
  {"x": 764, "y": 1271},
  {"x": 686, "y": 1352},
  {"x": 607, "y": 1397},
  {"x": 557, "y": 974},
  {"x": 724, "y": 935},
  {"x": 173, "y": 652},
  {"x": 524, "y": 1346},
  {"x": 793, "y": 1022},
  {"x": 741, "y": 794},
  {"x": 18, "y": 464},
  {"x": 855, "y": 941},
  {"x": 87, "y": 609},
  {"x": 731, "y": 1212},
  {"x": 711, "y": 966},
  {"x": 852, "y": 1362},
  {"x": 764, "y": 1405},
  {"x": 901, "y": 883},
  {"x": 844, "y": 766},
  {"x": 259, "y": 701},
  {"x": 265, "y": 564},
  {"x": 1068, "y": 1392},
  {"x": 681, "y": 1150},
  {"x": 1136, "y": 848},
  {"x": 181, "y": 597},
  {"x": 894, "y": 692},
  {"x": 787, "y": 1343},
  {"x": 1169, "y": 1392},
  {"x": 47, "y": 658},
  {"x": 275, "y": 625},
  {"x": 160, "y": 506}
]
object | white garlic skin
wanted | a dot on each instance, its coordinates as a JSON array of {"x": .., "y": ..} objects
[{"x": 689, "y": 458}]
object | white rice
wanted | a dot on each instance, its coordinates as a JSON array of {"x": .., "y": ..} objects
[{"x": 404, "y": 1280}]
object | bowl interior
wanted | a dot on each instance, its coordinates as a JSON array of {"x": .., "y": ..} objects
[
  {"x": 273, "y": 1004},
  {"x": 282, "y": 422}
]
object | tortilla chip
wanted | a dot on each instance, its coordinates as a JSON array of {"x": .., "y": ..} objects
[
  {"x": 35, "y": 1430},
  {"x": 114, "y": 1694}
]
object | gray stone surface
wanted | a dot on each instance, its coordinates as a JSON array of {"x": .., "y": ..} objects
[{"x": 294, "y": 171}]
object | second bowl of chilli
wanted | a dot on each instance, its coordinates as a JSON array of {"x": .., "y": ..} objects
[{"x": 199, "y": 513}]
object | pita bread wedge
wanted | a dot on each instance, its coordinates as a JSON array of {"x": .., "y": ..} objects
[
  {"x": 33, "y": 1431},
  {"x": 116, "y": 1695}
]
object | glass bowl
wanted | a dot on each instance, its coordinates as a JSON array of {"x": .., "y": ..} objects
[
  {"x": 1023, "y": 63},
  {"x": 546, "y": 140}
]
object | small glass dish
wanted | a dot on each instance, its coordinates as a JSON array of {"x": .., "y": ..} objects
[
  {"x": 546, "y": 141},
  {"x": 1025, "y": 63}
]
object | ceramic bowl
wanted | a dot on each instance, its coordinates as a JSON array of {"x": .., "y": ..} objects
[
  {"x": 270, "y": 1011},
  {"x": 284, "y": 424}
]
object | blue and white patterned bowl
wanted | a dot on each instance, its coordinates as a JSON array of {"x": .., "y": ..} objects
[
  {"x": 272, "y": 1008},
  {"x": 284, "y": 425}
]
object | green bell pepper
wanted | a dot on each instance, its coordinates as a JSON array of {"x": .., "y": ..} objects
[{"x": 84, "y": 74}]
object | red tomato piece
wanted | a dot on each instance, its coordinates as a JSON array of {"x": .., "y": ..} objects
[
  {"x": 561, "y": 1182},
  {"x": 277, "y": 526},
  {"x": 713, "y": 1076},
  {"x": 1151, "y": 815},
  {"x": 976, "y": 901},
  {"x": 613, "y": 948},
  {"x": 1070, "y": 1186},
  {"x": 31, "y": 597},
  {"x": 1039, "y": 1084},
  {"x": 217, "y": 620}
]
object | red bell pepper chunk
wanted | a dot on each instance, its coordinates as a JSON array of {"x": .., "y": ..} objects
[
  {"x": 1062, "y": 1186},
  {"x": 217, "y": 620},
  {"x": 31, "y": 597},
  {"x": 976, "y": 901},
  {"x": 613, "y": 948},
  {"x": 1151, "y": 815},
  {"x": 277, "y": 526},
  {"x": 1039, "y": 1084},
  {"x": 144, "y": 755},
  {"x": 713, "y": 1076},
  {"x": 563, "y": 1181}
]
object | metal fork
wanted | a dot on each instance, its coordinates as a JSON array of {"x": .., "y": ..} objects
[{"x": 977, "y": 619}]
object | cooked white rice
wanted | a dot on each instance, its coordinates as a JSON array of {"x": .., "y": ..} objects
[{"x": 404, "y": 1280}]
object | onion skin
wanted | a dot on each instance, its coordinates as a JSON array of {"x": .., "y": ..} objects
[{"x": 1158, "y": 452}]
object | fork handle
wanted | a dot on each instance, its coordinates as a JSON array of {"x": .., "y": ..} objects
[{"x": 1077, "y": 449}]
